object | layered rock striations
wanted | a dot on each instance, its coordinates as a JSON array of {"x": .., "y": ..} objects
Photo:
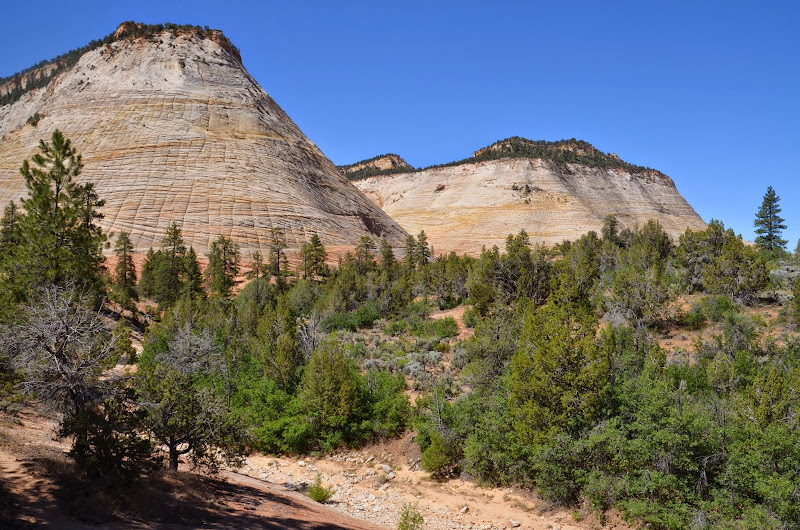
[
  {"x": 173, "y": 128},
  {"x": 475, "y": 203}
]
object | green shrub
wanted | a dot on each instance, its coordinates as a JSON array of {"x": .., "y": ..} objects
[
  {"x": 390, "y": 411},
  {"x": 396, "y": 327},
  {"x": 410, "y": 518},
  {"x": 445, "y": 327},
  {"x": 470, "y": 317},
  {"x": 437, "y": 459},
  {"x": 337, "y": 321},
  {"x": 439, "y": 328},
  {"x": 367, "y": 314},
  {"x": 418, "y": 309},
  {"x": 34, "y": 120},
  {"x": 694, "y": 318},
  {"x": 796, "y": 300},
  {"x": 302, "y": 296},
  {"x": 318, "y": 492},
  {"x": 448, "y": 303},
  {"x": 717, "y": 308},
  {"x": 363, "y": 317}
]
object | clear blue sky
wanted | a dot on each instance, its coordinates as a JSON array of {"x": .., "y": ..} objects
[{"x": 705, "y": 91}]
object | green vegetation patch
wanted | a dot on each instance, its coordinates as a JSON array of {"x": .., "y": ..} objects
[
  {"x": 570, "y": 151},
  {"x": 561, "y": 152}
]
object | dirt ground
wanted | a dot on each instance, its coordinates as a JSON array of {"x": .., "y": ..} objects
[
  {"x": 30, "y": 496},
  {"x": 371, "y": 488},
  {"x": 375, "y": 483}
]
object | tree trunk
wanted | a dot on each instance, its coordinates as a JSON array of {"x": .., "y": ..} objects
[{"x": 173, "y": 458}]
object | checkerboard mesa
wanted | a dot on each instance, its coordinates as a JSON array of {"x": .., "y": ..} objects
[{"x": 173, "y": 128}]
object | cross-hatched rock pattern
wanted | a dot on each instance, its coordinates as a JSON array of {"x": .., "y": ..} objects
[
  {"x": 173, "y": 128},
  {"x": 465, "y": 207}
]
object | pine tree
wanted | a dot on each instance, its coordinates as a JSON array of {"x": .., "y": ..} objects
[
  {"x": 610, "y": 229},
  {"x": 319, "y": 257},
  {"x": 123, "y": 288},
  {"x": 223, "y": 266},
  {"x": 423, "y": 252},
  {"x": 769, "y": 224},
  {"x": 59, "y": 239},
  {"x": 10, "y": 239},
  {"x": 123, "y": 349},
  {"x": 192, "y": 277},
  {"x": 277, "y": 245},
  {"x": 312, "y": 258},
  {"x": 388, "y": 262},
  {"x": 364, "y": 257},
  {"x": 147, "y": 281},
  {"x": 256, "y": 266},
  {"x": 9, "y": 230},
  {"x": 410, "y": 257},
  {"x": 169, "y": 277}
]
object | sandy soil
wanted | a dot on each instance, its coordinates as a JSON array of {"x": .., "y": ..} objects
[
  {"x": 375, "y": 483},
  {"x": 29, "y": 498}
]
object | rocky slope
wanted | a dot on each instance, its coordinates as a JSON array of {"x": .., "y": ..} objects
[
  {"x": 173, "y": 128},
  {"x": 379, "y": 165},
  {"x": 561, "y": 193}
]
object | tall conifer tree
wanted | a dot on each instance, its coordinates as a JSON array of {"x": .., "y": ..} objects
[
  {"x": 192, "y": 277},
  {"x": 769, "y": 224},
  {"x": 171, "y": 272},
  {"x": 223, "y": 266},
  {"x": 60, "y": 241},
  {"x": 123, "y": 288}
]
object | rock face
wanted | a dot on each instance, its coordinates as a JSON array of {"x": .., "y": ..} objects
[
  {"x": 467, "y": 206},
  {"x": 173, "y": 128},
  {"x": 379, "y": 165}
]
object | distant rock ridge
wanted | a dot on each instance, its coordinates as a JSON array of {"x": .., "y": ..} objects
[
  {"x": 379, "y": 165},
  {"x": 173, "y": 128},
  {"x": 477, "y": 202},
  {"x": 561, "y": 152}
]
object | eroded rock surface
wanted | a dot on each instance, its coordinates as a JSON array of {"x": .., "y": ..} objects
[
  {"x": 173, "y": 128},
  {"x": 466, "y": 206}
]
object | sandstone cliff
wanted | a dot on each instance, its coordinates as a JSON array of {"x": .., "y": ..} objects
[
  {"x": 173, "y": 128},
  {"x": 464, "y": 206},
  {"x": 379, "y": 165}
]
